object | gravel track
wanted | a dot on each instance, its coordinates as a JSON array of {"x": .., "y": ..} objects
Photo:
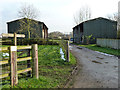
[{"x": 96, "y": 70}]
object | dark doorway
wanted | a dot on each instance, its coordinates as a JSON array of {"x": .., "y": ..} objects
[{"x": 81, "y": 27}]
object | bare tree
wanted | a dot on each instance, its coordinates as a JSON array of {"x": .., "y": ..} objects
[
  {"x": 28, "y": 11},
  {"x": 27, "y": 24},
  {"x": 113, "y": 16},
  {"x": 83, "y": 14},
  {"x": 71, "y": 34}
]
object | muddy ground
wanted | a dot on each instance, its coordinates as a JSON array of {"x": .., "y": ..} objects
[{"x": 95, "y": 70}]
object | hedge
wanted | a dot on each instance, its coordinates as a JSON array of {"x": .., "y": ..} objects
[{"x": 26, "y": 41}]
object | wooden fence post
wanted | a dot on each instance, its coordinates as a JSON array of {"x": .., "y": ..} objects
[
  {"x": 68, "y": 52},
  {"x": 13, "y": 60},
  {"x": 35, "y": 60},
  {"x": 15, "y": 39},
  {"x": 28, "y": 63}
]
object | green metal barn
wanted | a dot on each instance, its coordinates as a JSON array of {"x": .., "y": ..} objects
[
  {"x": 98, "y": 28},
  {"x": 40, "y": 29}
]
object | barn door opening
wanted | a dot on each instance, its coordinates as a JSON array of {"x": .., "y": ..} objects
[{"x": 81, "y": 32}]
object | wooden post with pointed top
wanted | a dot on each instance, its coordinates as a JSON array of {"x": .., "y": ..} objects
[{"x": 35, "y": 60}]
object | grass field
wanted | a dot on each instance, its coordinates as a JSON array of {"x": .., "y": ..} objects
[
  {"x": 102, "y": 49},
  {"x": 53, "y": 71}
]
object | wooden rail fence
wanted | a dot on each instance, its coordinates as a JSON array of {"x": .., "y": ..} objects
[
  {"x": 13, "y": 62},
  {"x": 13, "y": 36}
]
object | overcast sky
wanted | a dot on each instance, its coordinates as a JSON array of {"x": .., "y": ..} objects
[{"x": 56, "y": 14}]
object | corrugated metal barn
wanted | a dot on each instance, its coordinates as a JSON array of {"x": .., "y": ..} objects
[
  {"x": 40, "y": 28},
  {"x": 98, "y": 27}
]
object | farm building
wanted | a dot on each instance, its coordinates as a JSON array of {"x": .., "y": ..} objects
[
  {"x": 40, "y": 29},
  {"x": 98, "y": 28}
]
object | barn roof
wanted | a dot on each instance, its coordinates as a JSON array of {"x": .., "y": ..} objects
[
  {"x": 26, "y": 18},
  {"x": 95, "y": 19}
]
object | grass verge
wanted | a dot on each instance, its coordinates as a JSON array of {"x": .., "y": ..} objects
[
  {"x": 102, "y": 49},
  {"x": 53, "y": 71}
]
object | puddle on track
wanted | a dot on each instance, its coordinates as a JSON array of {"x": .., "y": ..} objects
[
  {"x": 100, "y": 57},
  {"x": 115, "y": 66},
  {"x": 96, "y": 62},
  {"x": 106, "y": 62},
  {"x": 79, "y": 47}
]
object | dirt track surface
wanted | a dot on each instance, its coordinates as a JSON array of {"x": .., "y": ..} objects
[{"x": 96, "y": 70}]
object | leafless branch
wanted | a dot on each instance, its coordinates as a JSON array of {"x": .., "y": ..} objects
[
  {"x": 113, "y": 16},
  {"x": 83, "y": 14},
  {"x": 27, "y": 24},
  {"x": 28, "y": 11}
]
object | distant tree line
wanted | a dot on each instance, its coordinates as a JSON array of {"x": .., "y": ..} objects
[{"x": 59, "y": 35}]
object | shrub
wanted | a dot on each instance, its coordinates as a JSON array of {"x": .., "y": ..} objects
[{"x": 88, "y": 39}]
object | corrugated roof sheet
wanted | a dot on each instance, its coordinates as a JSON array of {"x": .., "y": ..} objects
[
  {"x": 25, "y": 18},
  {"x": 94, "y": 19}
]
